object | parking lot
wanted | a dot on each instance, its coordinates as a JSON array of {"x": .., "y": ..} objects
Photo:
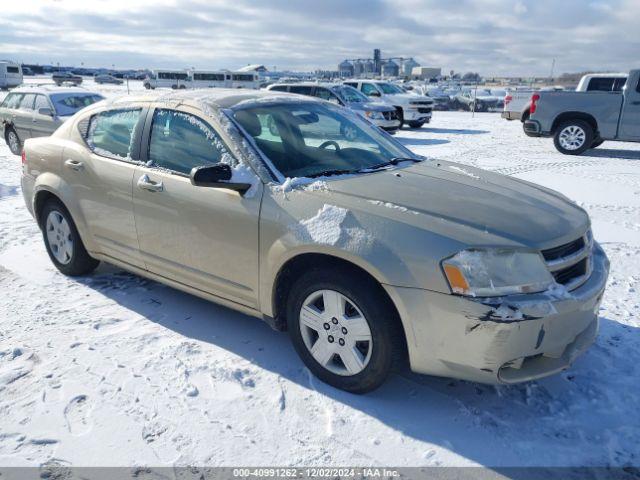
[{"x": 112, "y": 369}]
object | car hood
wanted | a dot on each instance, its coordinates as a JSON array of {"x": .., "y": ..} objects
[
  {"x": 371, "y": 106},
  {"x": 466, "y": 203},
  {"x": 402, "y": 97}
]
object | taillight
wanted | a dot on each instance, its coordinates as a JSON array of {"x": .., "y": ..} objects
[
  {"x": 534, "y": 103},
  {"x": 24, "y": 157},
  {"x": 507, "y": 100}
]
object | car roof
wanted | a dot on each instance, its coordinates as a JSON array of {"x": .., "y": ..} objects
[
  {"x": 50, "y": 89},
  {"x": 307, "y": 84},
  {"x": 213, "y": 97}
]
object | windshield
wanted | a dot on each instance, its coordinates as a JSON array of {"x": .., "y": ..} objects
[
  {"x": 68, "y": 104},
  {"x": 350, "y": 94},
  {"x": 316, "y": 139},
  {"x": 390, "y": 89}
]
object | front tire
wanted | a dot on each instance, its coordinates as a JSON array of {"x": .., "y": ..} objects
[
  {"x": 62, "y": 241},
  {"x": 343, "y": 328},
  {"x": 416, "y": 124},
  {"x": 13, "y": 141},
  {"x": 573, "y": 137}
]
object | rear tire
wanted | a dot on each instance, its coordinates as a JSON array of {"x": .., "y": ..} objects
[
  {"x": 400, "y": 116},
  {"x": 62, "y": 241},
  {"x": 13, "y": 141},
  {"x": 361, "y": 312},
  {"x": 416, "y": 124},
  {"x": 573, "y": 137}
]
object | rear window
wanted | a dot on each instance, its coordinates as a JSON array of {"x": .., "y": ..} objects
[
  {"x": 300, "y": 89},
  {"x": 110, "y": 132},
  {"x": 606, "y": 84},
  {"x": 68, "y": 104},
  {"x": 279, "y": 88}
]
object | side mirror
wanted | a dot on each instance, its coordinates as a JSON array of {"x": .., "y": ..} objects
[
  {"x": 374, "y": 93},
  {"x": 45, "y": 111},
  {"x": 216, "y": 176}
]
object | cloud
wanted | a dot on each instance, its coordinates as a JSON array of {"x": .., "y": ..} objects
[{"x": 489, "y": 36}]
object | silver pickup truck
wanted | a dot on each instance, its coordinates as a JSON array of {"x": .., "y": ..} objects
[{"x": 578, "y": 121}]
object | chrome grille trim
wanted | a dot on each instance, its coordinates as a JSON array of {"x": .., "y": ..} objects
[{"x": 559, "y": 265}]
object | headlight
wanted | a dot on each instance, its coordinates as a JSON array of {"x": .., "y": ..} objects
[
  {"x": 374, "y": 115},
  {"x": 495, "y": 272}
]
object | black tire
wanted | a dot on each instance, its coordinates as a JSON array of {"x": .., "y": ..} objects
[
  {"x": 400, "y": 113},
  {"x": 596, "y": 143},
  {"x": 587, "y": 136},
  {"x": 416, "y": 124},
  {"x": 13, "y": 140},
  {"x": 524, "y": 118},
  {"x": 80, "y": 262},
  {"x": 382, "y": 318}
]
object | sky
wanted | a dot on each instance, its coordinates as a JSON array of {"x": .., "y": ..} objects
[{"x": 492, "y": 37}]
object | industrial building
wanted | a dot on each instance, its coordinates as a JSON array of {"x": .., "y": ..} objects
[{"x": 377, "y": 66}]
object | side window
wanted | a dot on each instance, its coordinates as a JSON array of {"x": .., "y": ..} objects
[
  {"x": 619, "y": 84},
  {"x": 12, "y": 100},
  {"x": 41, "y": 102},
  {"x": 180, "y": 141},
  {"x": 368, "y": 88},
  {"x": 27, "y": 102},
  {"x": 300, "y": 89},
  {"x": 110, "y": 132},
  {"x": 279, "y": 88},
  {"x": 351, "y": 84},
  {"x": 638, "y": 87}
]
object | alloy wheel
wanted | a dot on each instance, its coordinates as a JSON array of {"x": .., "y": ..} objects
[
  {"x": 59, "y": 237},
  {"x": 335, "y": 332},
  {"x": 13, "y": 141},
  {"x": 572, "y": 137}
]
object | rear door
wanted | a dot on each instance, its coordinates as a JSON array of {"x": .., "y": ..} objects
[
  {"x": 42, "y": 125},
  {"x": 100, "y": 175},
  {"x": 206, "y": 238},
  {"x": 630, "y": 120},
  {"x": 24, "y": 116}
]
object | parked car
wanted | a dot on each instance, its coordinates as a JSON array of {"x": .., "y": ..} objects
[
  {"x": 441, "y": 100},
  {"x": 28, "y": 112},
  {"x": 413, "y": 110},
  {"x": 516, "y": 105},
  {"x": 10, "y": 74},
  {"x": 602, "y": 82},
  {"x": 60, "y": 78},
  {"x": 378, "y": 113},
  {"x": 578, "y": 121},
  {"x": 387, "y": 257},
  {"x": 101, "y": 79},
  {"x": 479, "y": 100}
]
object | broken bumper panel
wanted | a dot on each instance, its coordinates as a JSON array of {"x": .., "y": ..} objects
[{"x": 501, "y": 340}]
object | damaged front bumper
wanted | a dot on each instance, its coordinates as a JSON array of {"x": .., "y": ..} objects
[{"x": 501, "y": 340}]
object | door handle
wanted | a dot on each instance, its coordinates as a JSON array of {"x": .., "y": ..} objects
[
  {"x": 146, "y": 184},
  {"x": 74, "y": 164}
]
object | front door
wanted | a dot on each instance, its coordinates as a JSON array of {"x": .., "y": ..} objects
[
  {"x": 630, "y": 120},
  {"x": 203, "y": 237}
]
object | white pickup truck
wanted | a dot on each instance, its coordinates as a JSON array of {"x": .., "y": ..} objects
[{"x": 412, "y": 109}]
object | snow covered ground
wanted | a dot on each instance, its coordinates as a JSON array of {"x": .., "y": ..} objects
[{"x": 113, "y": 369}]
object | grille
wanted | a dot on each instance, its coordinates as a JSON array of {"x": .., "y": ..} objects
[
  {"x": 563, "y": 250},
  {"x": 424, "y": 110},
  {"x": 570, "y": 263},
  {"x": 390, "y": 115},
  {"x": 565, "y": 275}
]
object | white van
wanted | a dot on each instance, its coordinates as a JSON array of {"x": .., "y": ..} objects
[
  {"x": 168, "y": 79},
  {"x": 245, "y": 80},
  {"x": 210, "y": 78},
  {"x": 10, "y": 74}
]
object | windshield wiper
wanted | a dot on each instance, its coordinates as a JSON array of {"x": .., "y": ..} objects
[
  {"x": 394, "y": 161},
  {"x": 329, "y": 173}
]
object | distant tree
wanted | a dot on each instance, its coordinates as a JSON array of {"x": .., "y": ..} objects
[{"x": 471, "y": 77}]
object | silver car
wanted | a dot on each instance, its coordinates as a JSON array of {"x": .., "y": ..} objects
[
  {"x": 28, "y": 112},
  {"x": 369, "y": 255}
]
